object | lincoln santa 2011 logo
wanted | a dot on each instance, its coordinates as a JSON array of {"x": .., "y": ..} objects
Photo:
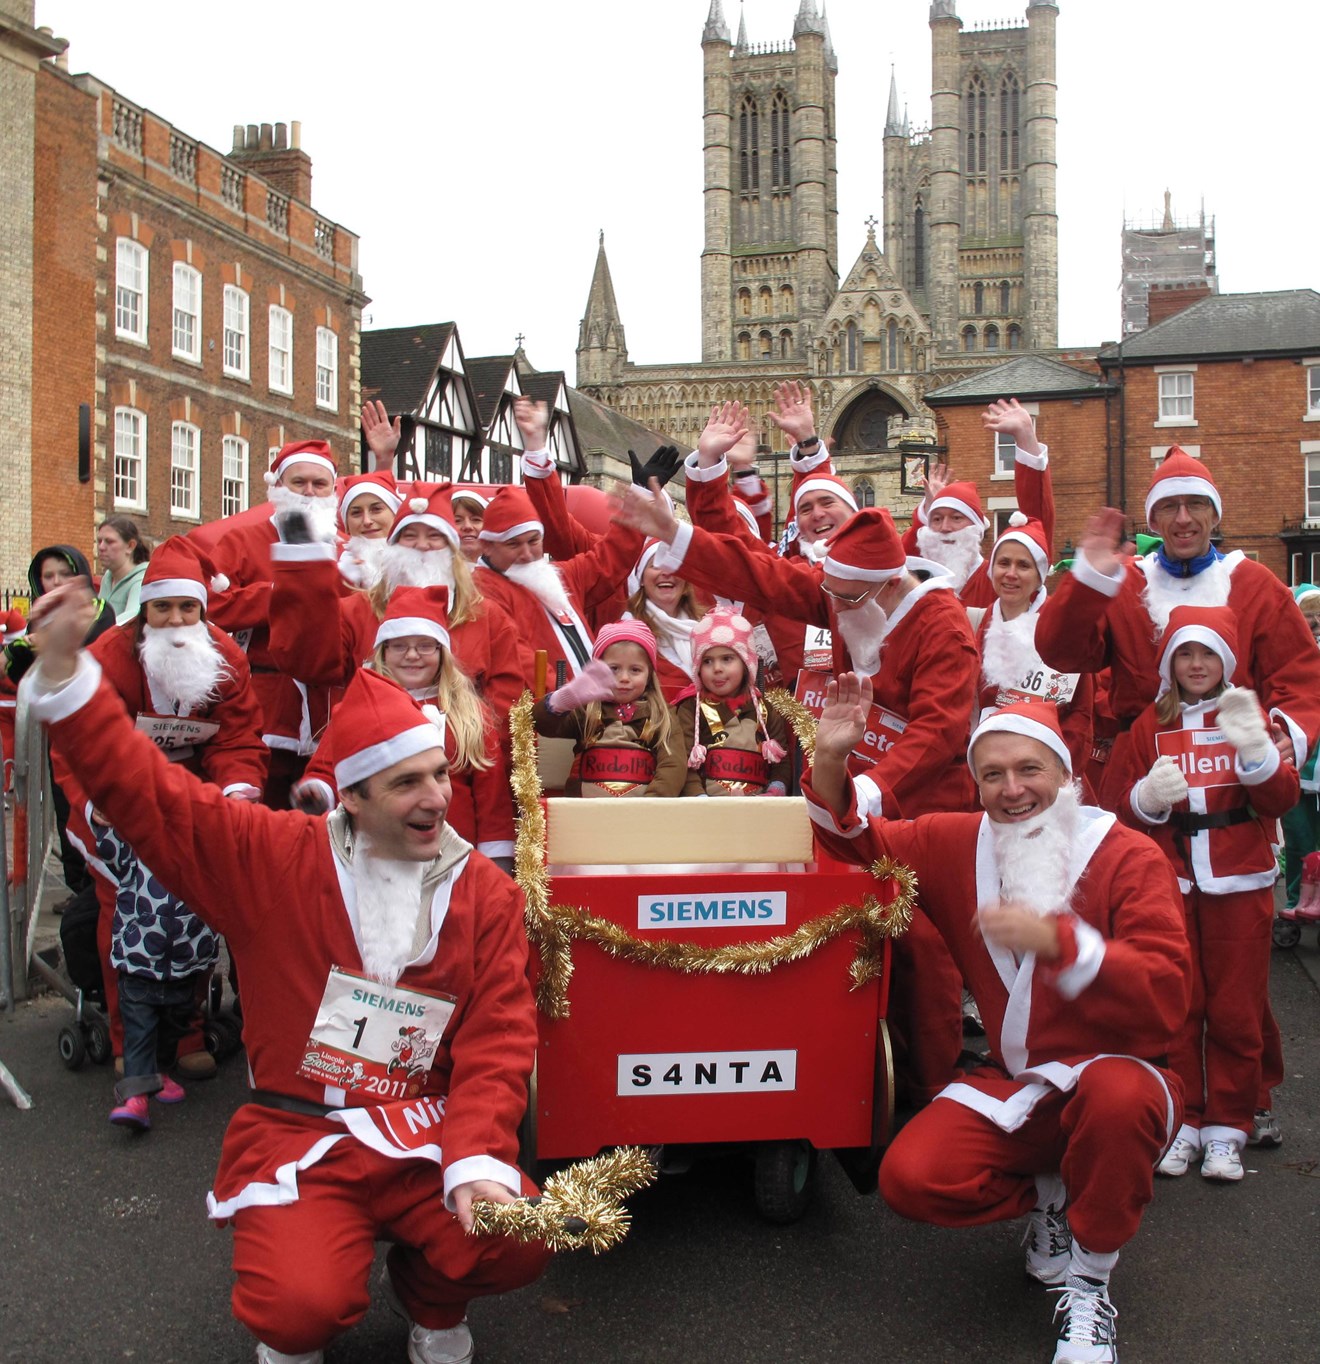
[{"x": 707, "y": 1072}]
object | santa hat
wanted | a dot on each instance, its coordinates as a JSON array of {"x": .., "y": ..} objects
[
  {"x": 178, "y": 568},
  {"x": 470, "y": 495},
  {"x": 1181, "y": 475},
  {"x": 824, "y": 483},
  {"x": 509, "y": 514},
  {"x": 379, "y": 484},
  {"x": 625, "y": 632},
  {"x": 378, "y": 724},
  {"x": 1213, "y": 626},
  {"x": 300, "y": 452},
  {"x": 649, "y": 550},
  {"x": 416, "y": 611},
  {"x": 1037, "y": 720},
  {"x": 12, "y": 622},
  {"x": 723, "y": 628},
  {"x": 866, "y": 549},
  {"x": 430, "y": 505},
  {"x": 961, "y": 497},
  {"x": 1027, "y": 531}
]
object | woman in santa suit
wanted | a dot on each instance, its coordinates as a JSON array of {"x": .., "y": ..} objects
[
  {"x": 368, "y": 504},
  {"x": 1011, "y": 669},
  {"x": 669, "y": 605}
]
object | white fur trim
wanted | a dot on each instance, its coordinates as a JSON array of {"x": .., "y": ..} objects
[
  {"x": 1195, "y": 634},
  {"x": 1030, "y": 545},
  {"x": 51, "y": 703},
  {"x": 643, "y": 559},
  {"x": 1018, "y": 519},
  {"x": 282, "y": 1191},
  {"x": 958, "y": 505},
  {"x": 467, "y": 495},
  {"x": 309, "y": 552},
  {"x": 392, "y": 500},
  {"x": 423, "y": 519},
  {"x": 175, "y": 587},
  {"x": 1000, "y": 722},
  {"x": 1039, "y": 462},
  {"x": 697, "y": 474},
  {"x": 399, "y": 627},
  {"x": 861, "y": 575},
  {"x": 368, "y": 761},
  {"x": 1090, "y": 576},
  {"x": 671, "y": 556},
  {"x": 220, "y": 583},
  {"x": 472, "y": 1168},
  {"x": 504, "y": 536},
  {"x": 535, "y": 464},
  {"x": 825, "y": 485},
  {"x": 1262, "y": 772},
  {"x": 805, "y": 464},
  {"x": 418, "y": 505},
  {"x": 867, "y": 796},
  {"x": 270, "y": 479},
  {"x": 496, "y": 847},
  {"x": 1181, "y": 487},
  {"x": 1072, "y": 980}
]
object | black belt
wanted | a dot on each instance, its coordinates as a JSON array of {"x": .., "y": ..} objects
[
  {"x": 1190, "y": 822},
  {"x": 308, "y": 1108}
]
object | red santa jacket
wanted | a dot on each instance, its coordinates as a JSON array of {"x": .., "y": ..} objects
[
  {"x": 1232, "y": 857},
  {"x": 276, "y": 884}
]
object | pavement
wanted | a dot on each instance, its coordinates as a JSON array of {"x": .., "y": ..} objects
[{"x": 106, "y": 1254}]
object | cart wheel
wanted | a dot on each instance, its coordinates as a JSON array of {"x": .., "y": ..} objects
[
  {"x": 73, "y": 1050},
  {"x": 784, "y": 1171},
  {"x": 1287, "y": 933},
  {"x": 214, "y": 1038},
  {"x": 98, "y": 1040},
  {"x": 217, "y": 992},
  {"x": 232, "y": 1032}
]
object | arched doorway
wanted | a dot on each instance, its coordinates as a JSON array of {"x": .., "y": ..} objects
[{"x": 863, "y": 426}]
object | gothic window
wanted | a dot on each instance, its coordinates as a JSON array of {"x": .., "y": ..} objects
[
  {"x": 992, "y": 337},
  {"x": 779, "y": 142},
  {"x": 969, "y": 338},
  {"x": 891, "y": 343},
  {"x": 975, "y": 123},
  {"x": 749, "y": 136},
  {"x": 744, "y": 303},
  {"x": 852, "y": 345},
  {"x": 919, "y": 247},
  {"x": 1010, "y": 112},
  {"x": 744, "y": 345},
  {"x": 767, "y": 302},
  {"x": 786, "y": 301},
  {"x": 1015, "y": 337},
  {"x": 978, "y": 296},
  {"x": 1005, "y": 293},
  {"x": 767, "y": 346},
  {"x": 785, "y": 344},
  {"x": 864, "y": 493}
]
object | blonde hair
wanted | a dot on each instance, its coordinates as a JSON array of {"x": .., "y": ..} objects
[
  {"x": 467, "y": 716},
  {"x": 464, "y": 601},
  {"x": 658, "y": 728},
  {"x": 1168, "y": 706}
]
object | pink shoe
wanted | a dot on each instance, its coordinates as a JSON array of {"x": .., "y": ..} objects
[
  {"x": 1307, "y": 909},
  {"x": 132, "y": 1113},
  {"x": 171, "y": 1092}
]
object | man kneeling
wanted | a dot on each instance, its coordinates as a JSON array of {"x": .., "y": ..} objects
[
  {"x": 388, "y": 1019},
  {"x": 1068, "y": 928}
]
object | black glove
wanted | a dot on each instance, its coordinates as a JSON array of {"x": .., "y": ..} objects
[
  {"x": 662, "y": 465},
  {"x": 294, "y": 528}
]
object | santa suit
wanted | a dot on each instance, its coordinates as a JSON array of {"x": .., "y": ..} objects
[
  {"x": 307, "y": 1194},
  {"x": 1092, "y": 622},
  {"x": 1218, "y": 841},
  {"x": 1075, "y": 1082}
]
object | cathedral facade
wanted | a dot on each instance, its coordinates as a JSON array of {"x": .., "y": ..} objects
[{"x": 965, "y": 266}]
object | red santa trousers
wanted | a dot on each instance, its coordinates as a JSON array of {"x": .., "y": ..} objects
[
  {"x": 925, "y": 1011},
  {"x": 304, "y": 1268},
  {"x": 1220, "y": 1052},
  {"x": 954, "y": 1168}
]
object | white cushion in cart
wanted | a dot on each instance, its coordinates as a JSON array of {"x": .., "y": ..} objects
[
  {"x": 554, "y": 760},
  {"x": 646, "y": 829}
]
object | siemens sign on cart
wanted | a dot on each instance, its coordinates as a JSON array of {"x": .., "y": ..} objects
[{"x": 719, "y": 908}]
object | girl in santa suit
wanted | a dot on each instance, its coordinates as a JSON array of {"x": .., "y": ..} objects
[
  {"x": 413, "y": 649},
  {"x": 1204, "y": 778},
  {"x": 368, "y": 504},
  {"x": 668, "y": 605},
  {"x": 626, "y": 739}
]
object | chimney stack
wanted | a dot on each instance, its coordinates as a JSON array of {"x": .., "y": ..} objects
[{"x": 268, "y": 150}]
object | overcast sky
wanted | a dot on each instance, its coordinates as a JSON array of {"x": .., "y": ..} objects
[{"x": 477, "y": 148}]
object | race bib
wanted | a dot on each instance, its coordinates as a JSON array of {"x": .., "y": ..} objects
[
  {"x": 376, "y": 1039},
  {"x": 1203, "y": 756},
  {"x": 176, "y": 735},
  {"x": 765, "y": 652},
  {"x": 818, "y": 650},
  {"x": 1040, "y": 685},
  {"x": 883, "y": 727}
]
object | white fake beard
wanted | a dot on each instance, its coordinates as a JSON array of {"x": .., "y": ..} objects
[
  {"x": 183, "y": 662},
  {"x": 1163, "y": 591},
  {"x": 863, "y": 630},
  {"x": 1009, "y": 653},
  {"x": 815, "y": 551},
  {"x": 959, "y": 551},
  {"x": 322, "y": 513},
  {"x": 404, "y": 566},
  {"x": 1033, "y": 857},
  {"x": 541, "y": 578},
  {"x": 389, "y": 903},
  {"x": 366, "y": 557}
]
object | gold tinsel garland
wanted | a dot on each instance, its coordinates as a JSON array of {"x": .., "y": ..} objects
[
  {"x": 552, "y": 928},
  {"x": 800, "y": 720},
  {"x": 580, "y": 1207}
]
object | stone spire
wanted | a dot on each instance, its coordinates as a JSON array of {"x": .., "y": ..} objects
[
  {"x": 809, "y": 20},
  {"x": 943, "y": 9},
  {"x": 1167, "y": 224},
  {"x": 893, "y": 124},
  {"x": 741, "y": 44},
  {"x": 716, "y": 30},
  {"x": 831, "y": 56},
  {"x": 601, "y": 349}
]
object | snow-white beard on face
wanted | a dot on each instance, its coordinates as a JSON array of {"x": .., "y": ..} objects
[
  {"x": 360, "y": 560},
  {"x": 183, "y": 662},
  {"x": 959, "y": 551},
  {"x": 322, "y": 513},
  {"x": 863, "y": 629},
  {"x": 389, "y": 904},
  {"x": 541, "y": 578},
  {"x": 1163, "y": 591},
  {"x": 1009, "y": 653},
  {"x": 1033, "y": 857},
  {"x": 814, "y": 552},
  {"x": 404, "y": 566}
]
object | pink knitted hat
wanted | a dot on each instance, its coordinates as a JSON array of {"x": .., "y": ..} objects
[
  {"x": 625, "y": 632},
  {"x": 723, "y": 628}
]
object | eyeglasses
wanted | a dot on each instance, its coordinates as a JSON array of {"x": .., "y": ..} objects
[
  {"x": 401, "y": 648},
  {"x": 843, "y": 598},
  {"x": 1170, "y": 506}
]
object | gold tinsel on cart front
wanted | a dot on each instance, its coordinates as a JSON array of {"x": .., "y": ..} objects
[{"x": 552, "y": 928}]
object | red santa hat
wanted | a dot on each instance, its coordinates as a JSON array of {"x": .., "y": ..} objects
[
  {"x": 430, "y": 505},
  {"x": 1027, "y": 531},
  {"x": 961, "y": 497},
  {"x": 178, "y": 568},
  {"x": 416, "y": 611},
  {"x": 471, "y": 495},
  {"x": 380, "y": 483},
  {"x": 723, "y": 628},
  {"x": 625, "y": 632},
  {"x": 1181, "y": 475},
  {"x": 509, "y": 514},
  {"x": 1213, "y": 626},
  {"x": 378, "y": 724},
  {"x": 866, "y": 549},
  {"x": 824, "y": 483},
  {"x": 1037, "y": 720},
  {"x": 300, "y": 452},
  {"x": 12, "y": 623}
]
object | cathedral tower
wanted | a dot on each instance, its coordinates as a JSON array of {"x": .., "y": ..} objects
[
  {"x": 769, "y": 269},
  {"x": 602, "y": 351}
]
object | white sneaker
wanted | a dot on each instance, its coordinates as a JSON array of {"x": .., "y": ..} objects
[
  {"x": 453, "y": 1345},
  {"x": 1049, "y": 1245},
  {"x": 268, "y": 1354},
  {"x": 1265, "y": 1129},
  {"x": 1178, "y": 1157},
  {"x": 1221, "y": 1161},
  {"x": 1088, "y": 1335}
]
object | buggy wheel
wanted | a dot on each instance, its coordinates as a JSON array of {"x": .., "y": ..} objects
[
  {"x": 784, "y": 1174},
  {"x": 97, "y": 1033},
  {"x": 215, "y": 1038},
  {"x": 231, "y": 1033},
  {"x": 1287, "y": 933},
  {"x": 73, "y": 1050}
]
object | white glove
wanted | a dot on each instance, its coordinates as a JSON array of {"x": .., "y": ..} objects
[
  {"x": 1244, "y": 725},
  {"x": 594, "y": 683},
  {"x": 1161, "y": 789}
]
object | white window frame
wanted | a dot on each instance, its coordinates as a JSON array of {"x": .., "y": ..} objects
[
  {"x": 129, "y": 470},
  {"x": 280, "y": 365},
  {"x": 1158, "y": 452},
  {"x": 1003, "y": 452},
  {"x": 233, "y": 475},
  {"x": 1176, "y": 406},
  {"x": 1312, "y": 390},
  {"x": 185, "y": 470},
  {"x": 131, "y": 275},
  {"x": 187, "y": 291},
  {"x": 1310, "y": 470},
  {"x": 327, "y": 369},
  {"x": 237, "y": 343}
]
